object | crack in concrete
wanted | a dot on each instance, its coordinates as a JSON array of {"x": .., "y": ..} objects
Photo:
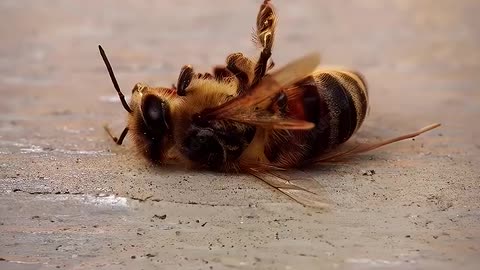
[
  {"x": 140, "y": 199},
  {"x": 47, "y": 192},
  {"x": 148, "y": 198},
  {"x": 190, "y": 203}
]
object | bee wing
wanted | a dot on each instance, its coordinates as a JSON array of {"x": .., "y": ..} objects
[
  {"x": 250, "y": 106},
  {"x": 365, "y": 147},
  {"x": 271, "y": 121},
  {"x": 295, "y": 184}
]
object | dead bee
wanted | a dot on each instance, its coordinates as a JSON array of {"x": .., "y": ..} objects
[{"x": 245, "y": 118}]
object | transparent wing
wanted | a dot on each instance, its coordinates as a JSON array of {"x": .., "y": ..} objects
[
  {"x": 293, "y": 183},
  {"x": 250, "y": 107}
]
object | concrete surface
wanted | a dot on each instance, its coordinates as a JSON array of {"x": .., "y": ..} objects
[{"x": 72, "y": 199}]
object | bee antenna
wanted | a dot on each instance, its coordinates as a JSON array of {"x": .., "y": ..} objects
[{"x": 114, "y": 80}]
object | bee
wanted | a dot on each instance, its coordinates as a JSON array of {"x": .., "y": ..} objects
[{"x": 245, "y": 118}]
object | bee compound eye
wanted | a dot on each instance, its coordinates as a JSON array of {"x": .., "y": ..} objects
[{"x": 155, "y": 113}]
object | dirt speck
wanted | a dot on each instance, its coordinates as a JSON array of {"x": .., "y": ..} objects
[
  {"x": 159, "y": 216},
  {"x": 368, "y": 172}
]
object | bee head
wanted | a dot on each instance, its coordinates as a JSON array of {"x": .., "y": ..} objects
[{"x": 149, "y": 119}]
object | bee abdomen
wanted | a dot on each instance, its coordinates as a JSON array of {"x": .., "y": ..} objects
[
  {"x": 335, "y": 101},
  {"x": 346, "y": 98}
]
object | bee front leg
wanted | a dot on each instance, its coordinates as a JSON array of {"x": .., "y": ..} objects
[{"x": 184, "y": 79}]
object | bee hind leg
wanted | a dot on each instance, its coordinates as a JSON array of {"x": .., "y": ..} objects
[
  {"x": 261, "y": 66},
  {"x": 264, "y": 36}
]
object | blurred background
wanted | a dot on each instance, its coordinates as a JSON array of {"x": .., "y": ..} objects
[{"x": 405, "y": 48}]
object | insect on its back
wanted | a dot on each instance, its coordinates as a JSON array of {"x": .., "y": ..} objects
[{"x": 243, "y": 117}]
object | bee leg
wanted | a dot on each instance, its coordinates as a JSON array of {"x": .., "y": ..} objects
[
  {"x": 205, "y": 76},
  {"x": 184, "y": 79},
  {"x": 222, "y": 73},
  {"x": 118, "y": 140},
  {"x": 240, "y": 66},
  {"x": 261, "y": 66},
  {"x": 264, "y": 35}
]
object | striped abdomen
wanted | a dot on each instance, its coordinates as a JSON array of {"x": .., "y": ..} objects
[{"x": 336, "y": 101}]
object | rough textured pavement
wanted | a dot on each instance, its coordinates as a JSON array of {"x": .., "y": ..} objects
[{"x": 70, "y": 198}]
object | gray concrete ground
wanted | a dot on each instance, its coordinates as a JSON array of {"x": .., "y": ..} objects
[{"x": 72, "y": 199}]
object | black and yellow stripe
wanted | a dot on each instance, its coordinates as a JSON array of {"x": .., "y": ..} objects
[
  {"x": 346, "y": 97},
  {"x": 336, "y": 101}
]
